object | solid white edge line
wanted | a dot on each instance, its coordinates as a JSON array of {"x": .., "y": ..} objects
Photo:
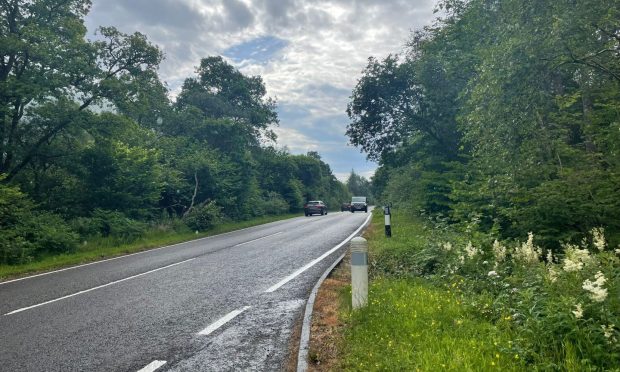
[
  {"x": 221, "y": 321},
  {"x": 154, "y": 365},
  {"x": 142, "y": 252},
  {"x": 317, "y": 260},
  {"x": 253, "y": 240},
  {"x": 95, "y": 288}
]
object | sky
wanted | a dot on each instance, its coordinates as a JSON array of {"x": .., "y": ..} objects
[{"x": 310, "y": 54}]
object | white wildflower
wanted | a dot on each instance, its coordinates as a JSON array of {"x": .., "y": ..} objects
[
  {"x": 578, "y": 312},
  {"x": 550, "y": 257},
  {"x": 597, "y": 292},
  {"x": 492, "y": 274},
  {"x": 553, "y": 274},
  {"x": 528, "y": 253},
  {"x": 485, "y": 262},
  {"x": 499, "y": 251},
  {"x": 471, "y": 250},
  {"x": 570, "y": 265},
  {"x": 608, "y": 331},
  {"x": 462, "y": 259},
  {"x": 447, "y": 246},
  {"x": 598, "y": 238},
  {"x": 575, "y": 258}
]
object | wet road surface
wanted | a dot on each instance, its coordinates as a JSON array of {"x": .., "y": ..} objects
[{"x": 227, "y": 302}]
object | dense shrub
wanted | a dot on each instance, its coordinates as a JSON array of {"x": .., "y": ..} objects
[
  {"x": 203, "y": 216},
  {"x": 107, "y": 223},
  {"x": 27, "y": 233},
  {"x": 274, "y": 203}
]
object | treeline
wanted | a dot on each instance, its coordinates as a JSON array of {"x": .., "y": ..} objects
[
  {"x": 503, "y": 117},
  {"x": 92, "y": 146}
]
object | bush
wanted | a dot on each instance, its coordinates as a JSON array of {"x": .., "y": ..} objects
[
  {"x": 105, "y": 223},
  {"x": 116, "y": 224},
  {"x": 203, "y": 216},
  {"x": 26, "y": 233},
  {"x": 274, "y": 203},
  {"x": 49, "y": 233}
]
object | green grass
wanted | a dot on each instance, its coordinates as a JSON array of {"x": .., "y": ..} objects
[
  {"x": 412, "y": 324},
  {"x": 102, "y": 248}
]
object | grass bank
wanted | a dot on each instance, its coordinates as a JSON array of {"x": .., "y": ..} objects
[
  {"x": 102, "y": 248},
  {"x": 411, "y": 324}
]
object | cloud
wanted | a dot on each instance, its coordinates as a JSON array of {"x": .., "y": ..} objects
[
  {"x": 238, "y": 15},
  {"x": 310, "y": 53}
]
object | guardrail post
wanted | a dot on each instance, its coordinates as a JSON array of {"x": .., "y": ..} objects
[
  {"x": 359, "y": 272},
  {"x": 388, "y": 221}
]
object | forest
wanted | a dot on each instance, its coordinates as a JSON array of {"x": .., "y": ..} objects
[
  {"x": 93, "y": 146},
  {"x": 502, "y": 117}
]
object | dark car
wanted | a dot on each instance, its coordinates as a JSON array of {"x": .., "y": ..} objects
[
  {"x": 359, "y": 203},
  {"x": 315, "y": 207},
  {"x": 345, "y": 207}
]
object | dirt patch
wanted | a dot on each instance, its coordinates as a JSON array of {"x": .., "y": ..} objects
[{"x": 326, "y": 331}]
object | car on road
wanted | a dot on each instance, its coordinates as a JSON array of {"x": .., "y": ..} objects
[
  {"x": 315, "y": 207},
  {"x": 345, "y": 207},
  {"x": 359, "y": 203}
]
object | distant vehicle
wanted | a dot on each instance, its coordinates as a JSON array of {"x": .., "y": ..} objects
[
  {"x": 359, "y": 203},
  {"x": 345, "y": 207},
  {"x": 315, "y": 207}
]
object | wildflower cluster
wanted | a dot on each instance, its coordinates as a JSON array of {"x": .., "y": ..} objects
[
  {"x": 571, "y": 285},
  {"x": 527, "y": 252},
  {"x": 595, "y": 288},
  {"x": 575, "y": 258}
]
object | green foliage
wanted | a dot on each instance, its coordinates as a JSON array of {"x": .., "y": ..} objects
[
  {"x": 52, "y": 74},
  {"x": 28, "y": 234},
  {"x": 482, "y": 120},
  {"x": 203, "y": 216}
]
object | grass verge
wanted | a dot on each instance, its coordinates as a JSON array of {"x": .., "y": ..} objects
[
  {"x": 103, "y": 248},
  {"x": 410, "y": 324}
]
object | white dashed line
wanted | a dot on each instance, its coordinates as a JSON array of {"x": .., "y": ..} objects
[
  {"x": 223, "y": 320},
  {"x": 154, "y": 365},
  {"x": 137, "y": 253},
  {"x": 317, "y": 260},
  {"x": 94, "y": 288},
  {"x": 253, "y": 240}
]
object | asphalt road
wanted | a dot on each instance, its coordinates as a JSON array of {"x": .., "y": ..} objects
[{"x": 227, "y": 302}]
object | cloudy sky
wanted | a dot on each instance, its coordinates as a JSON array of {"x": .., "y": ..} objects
[{"x": 310, "y": 54}]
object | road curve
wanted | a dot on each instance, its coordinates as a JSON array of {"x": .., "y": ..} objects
[{"x": 226, "y": 302}]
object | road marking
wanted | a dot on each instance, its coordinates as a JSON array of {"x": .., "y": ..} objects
[
  {"x": 253, "y": 240},
  {"x": 153, "y": 366},
  {"x": 317, "y": 260},
  {"x": 94, "y": 288},
  {"x": 223, "y": 320},
  {"x": 147, "y": 251}
]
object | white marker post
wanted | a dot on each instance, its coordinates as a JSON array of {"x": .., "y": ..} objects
[
  {"x": 359, "y": 272},
  {"x": 388, "y": 221}
]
